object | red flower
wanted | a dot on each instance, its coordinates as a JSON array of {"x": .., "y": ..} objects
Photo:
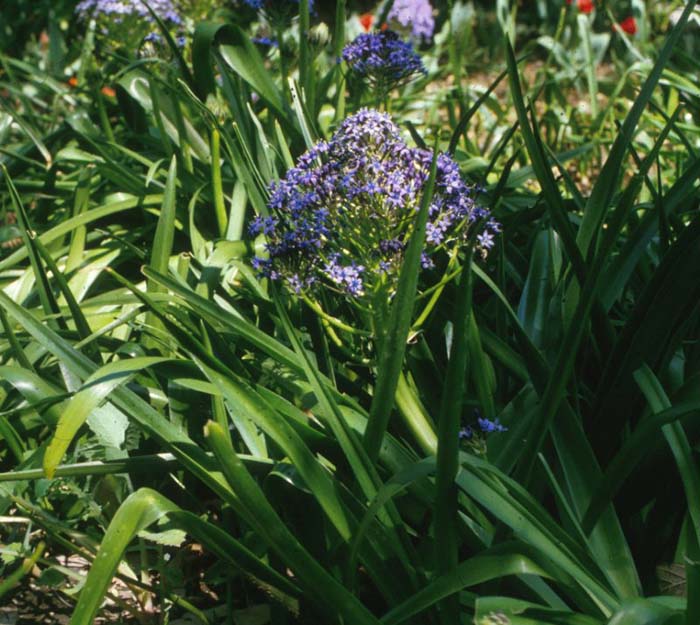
[
  {"x": 585, "y": 6},
  {"x": 367, "y": 19},
  {"x": 629, "y": 25}
]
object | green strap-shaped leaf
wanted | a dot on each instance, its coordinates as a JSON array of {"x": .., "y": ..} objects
[
  {"x": 36, "y": 390},
  {"x": 316, "y": 581},
  {"x": 165, "y": 230},
  {"x": 513, "y": 505},
  {"x": 46, "y": 296},
  {"x": 489, "y": 609},
  {"x": 446, "y": 511},
  {"x": 68, "y": 225},
  {"x": 241, "y": 55},
  {"x": 690, "y": 476},
  {"x": 95, "y": 390},
  {"x": 140, "y": 510},
  {"x": 491, "y": 565},
  {"x": 633, "y": 451},
  {"x": 244, "y": 399},
  {"x": 149, "y": 464},
  {"x": 644, "y": 612}
]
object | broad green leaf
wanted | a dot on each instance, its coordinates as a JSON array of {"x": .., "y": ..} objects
[
  {"x": 501, "y": 562},
  {"x": 449, "y": 423},
  {"x": 244, "y": 399},
  {"x": 315, "y": 579},
  {"x": 139, "y": 511},
  {"x": 95, "y": 390},
  {"x": 687, "y": 467},
  {"x": 517, "y": 509},
  {"x": 643, "y": 612}
]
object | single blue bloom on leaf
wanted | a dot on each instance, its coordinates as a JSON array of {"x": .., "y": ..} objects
[{"x": 487, "y": 426}]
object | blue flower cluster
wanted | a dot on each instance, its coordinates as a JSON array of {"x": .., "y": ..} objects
[
  {"x": 259, "y": 4},
  {"x": 278, "y": 11},
  {"x": 127, "y": 22},
  {"x": 266, "y": 41},
  {"x": 414, "y": 14},
  {"x": 383, "y": 60},
  {"x": 343, "y": 216},
  {"x": 119, "y": 9},
  {"x": 484, "y": 425}
]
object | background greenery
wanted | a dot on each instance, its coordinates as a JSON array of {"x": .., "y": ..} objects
[{"x": 154, "y": 391}]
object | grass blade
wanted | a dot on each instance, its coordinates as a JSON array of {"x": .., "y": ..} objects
[
  {"x": 446, "y": 547},
  {"x": 316, "y": 580}
]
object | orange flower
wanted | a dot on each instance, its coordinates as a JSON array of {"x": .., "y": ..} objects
[
  {"x": 73, "y": 81},
  {"x": 629, "y": 25},
  {"x": 108, "y": 91},
  {"x": 366, "y": 19},
  {"x": 585, "y": 6}
]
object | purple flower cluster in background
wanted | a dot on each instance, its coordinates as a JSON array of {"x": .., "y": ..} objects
[
  {"x": 343, "y": 216},
  {"x": 383, "y": 60},
  {"x": 119, "y": 9},
  {"x": 278, "y": 10},
  {"x": 414, "y": 14}
]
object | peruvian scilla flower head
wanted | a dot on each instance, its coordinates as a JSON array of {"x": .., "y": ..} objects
[
  {"x": 383, "y": 60},
  {"x": 278, "y": 11},
  {"x": 119, "y": 9},
  {"x": 343, "y": 216},
  {"x": 125, "y": 22},
  {"x": 413, "y": 15}
]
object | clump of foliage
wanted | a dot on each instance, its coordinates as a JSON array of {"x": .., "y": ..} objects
[{"x": 242, "y": 315}]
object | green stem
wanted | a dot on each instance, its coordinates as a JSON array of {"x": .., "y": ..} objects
[
  {"x": 104, "y": 118},
  {"x": 216, "y": 183},
  {"x": 14, "y": 578},
  {"x": 452, "y": 52},
  {"x": 335, "y": 322},
  {"x": 338, "y": 44},
  {"x": 305, "y": 57},
  {"x": 284, "y": 67},
  {"x": 436, "y": 291}
]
